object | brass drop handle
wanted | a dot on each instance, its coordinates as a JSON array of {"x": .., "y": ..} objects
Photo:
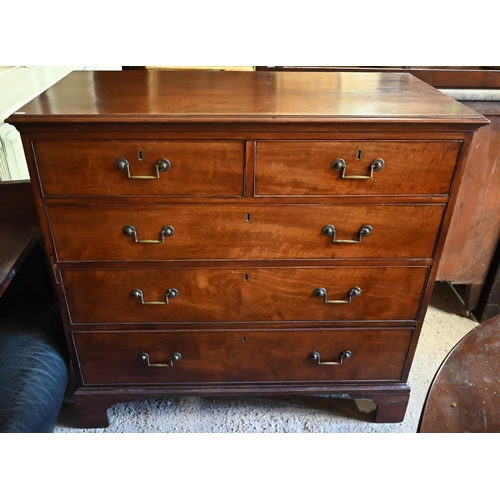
[
  {"x": 171, "y": 293},
  {"x": 339, "y": 165},
  {"x": 144, "y": 359},
  {"x": 161, "y": 165},
  {"x": 165, "y": 231},
  {"x": 331, "y": 231},
  {"x": 317, "y": 357},
  {"x": 353, "y": 292}
]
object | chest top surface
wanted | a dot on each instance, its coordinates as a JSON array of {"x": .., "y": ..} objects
[{"x": 265, "y": 97}]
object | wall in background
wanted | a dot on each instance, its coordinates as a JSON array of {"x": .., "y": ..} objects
[{"x": 18, "y": 86}]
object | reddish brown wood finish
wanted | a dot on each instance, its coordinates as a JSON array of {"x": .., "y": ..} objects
[
  {"x": 210, "y": 97},
  {"x": 298, "y": 168},
  {"x": 468, "y": 255},
  {"x": 391, "y": 407},
  {"x": 248, "y": 249},
  {"x": 464, "y": 396},
  {"x": 455, "y": 77},
  {"x": 242, "y": 356},
  {"x": 244, "y": 232},
  {"x": 87, "y": 168},
  {"x": 475, "y": 229},
  {"x": 244, "y": 295}
]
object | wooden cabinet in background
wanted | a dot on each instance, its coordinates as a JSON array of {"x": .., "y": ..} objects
[{"x": 473, "y": 237}]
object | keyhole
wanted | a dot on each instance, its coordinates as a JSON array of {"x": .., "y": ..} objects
[
  {"x": 244, "y": 339},
  {"x": 140, "y": 155},
  {"x": 249, "y": 217},
  {"x": 246, "y": 277},
  {"x": 359, "y": 155}
]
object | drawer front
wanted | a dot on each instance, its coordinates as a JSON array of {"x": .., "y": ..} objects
[
  {"x": 243, "y": 294},
  {"x": 304, "y": 168},
  {"x": 123, "y": 358},
  {"x": 244, "y": 232},
  {"x": 88, "y": 168}
]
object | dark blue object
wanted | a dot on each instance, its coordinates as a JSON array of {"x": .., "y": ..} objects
[{"x": 33, "y": 370}]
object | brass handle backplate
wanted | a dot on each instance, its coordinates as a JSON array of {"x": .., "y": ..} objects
[
  {"x": 161, "y": 165},
  {"x": 144, "y": 359},
  {"x": 331, "y": 231},
  {"x": 322, "y": 293},
  {"x": 317, "y": 357},
  {"x": 171, "y": 293},
  {"x": 339, "y": 165},
  {"x": 165, "y": 231}
]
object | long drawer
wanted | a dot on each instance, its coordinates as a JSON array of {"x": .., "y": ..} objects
[
  {"x": 243, "y": 294},
  {"x": 141, "y": 168},
  {"x": 320, "y": 355},
  {"x": 228, "y": 232},
  {"x": 308, "y": 168}
]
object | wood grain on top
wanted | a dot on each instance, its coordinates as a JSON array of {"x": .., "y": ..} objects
[{"x": 150, "y": 96}]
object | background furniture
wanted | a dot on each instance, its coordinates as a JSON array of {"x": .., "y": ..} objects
[
  {"x": 244, "y": 232},
  {"x": 469, "y": 260},
  {"x": 464, "y": 395},
  {"x": 19, "y": 228},
  {"x": 33, "y": 355}
]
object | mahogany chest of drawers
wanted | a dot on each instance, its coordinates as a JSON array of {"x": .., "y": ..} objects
[{"x": 218, "y": 233}]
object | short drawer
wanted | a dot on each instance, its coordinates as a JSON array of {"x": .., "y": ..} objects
[
  {"x": 304, "y": 168},
  {"x": 243, "y": 294},
  {"x": 253, "y": 356},
  {"x": 244, "y": 232},
  {"x": 132, "y": 168}
]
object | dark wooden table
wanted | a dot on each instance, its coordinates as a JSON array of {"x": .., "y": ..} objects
[
  {"x": 19, "y": 228},
  {"x": 465, "y": 393}
]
